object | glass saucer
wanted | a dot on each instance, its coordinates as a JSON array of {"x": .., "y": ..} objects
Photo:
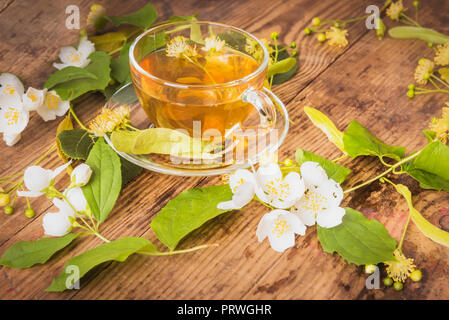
[{"x": 265, "y": 141}]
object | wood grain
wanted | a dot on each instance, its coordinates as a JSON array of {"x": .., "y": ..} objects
[{"x": 367, "y": 80}]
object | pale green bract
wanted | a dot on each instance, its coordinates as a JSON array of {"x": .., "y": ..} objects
[
  {"x": 428, "y": 229},
  {"x": 187, "y": 212},
  {"x": 326, "y": 125},
  {"x": 358, "y": 240},
  {"x": 160, "y": 141},
  {"x": 426, "y": 34},
  {"x": 105, "y": 184},
  {"x": 25, "y": 254},
  {"x": 118, "y": 250},
  {"x": 281, "y": 66}
]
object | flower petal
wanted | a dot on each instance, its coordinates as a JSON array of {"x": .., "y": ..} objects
[
  {"x": 313, "y": 174},
  {"x": 298, "y": 226},
  {"x": 64, "y": 207},
  {"x": 59, "y": 169},
  {"x": 11, "y": 139},
  {"x": 283, "y": 242},
  {"x": 306, "y": 216},
  {"x": 56, "y": 224},
  {"x": 86, "y": 47},
  {"x": 11, "y": 85},
  {"x": 37, "y": 178},
  {"x": 239, "y": 177},
  {"x": 332, "y": 191},
  {"x": 265, "y": 225},
  {"x": 267, "y": 173},
  {"x": 33, "y": 98},
  {"x": 67, "y": 54},
  {"x": 13, "y": 117},
  {"x": 331, "y": 217}
]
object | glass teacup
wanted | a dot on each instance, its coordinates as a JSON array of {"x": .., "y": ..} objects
[{"x": 207, "y": 80}]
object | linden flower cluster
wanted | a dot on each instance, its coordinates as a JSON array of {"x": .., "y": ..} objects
[
  {"x": 16, "y": 105},
  {"x": 441, "y": 125},
  {"x": 109, "y": 120},
  {"x": 71, "y": 203},
  {"x": 395, "y": 10},
  {"x": 336, "y": 34},
  {"x": 179, "y": 47},
  {"x": 298, "y": 200},
  {"x": 425, "y": 72}
]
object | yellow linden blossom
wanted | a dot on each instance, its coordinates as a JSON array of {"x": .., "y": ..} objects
[
  {"x": 337, "y": 37},
  {"x": 253, "y": 48},
  {"x": 441, "y": 125},
  {"x": 96, "y": 12},
  {"x": 395, "y": 9},
  {"x": 401, "y": 269},
  {"x": 442, "y": 54},
  {"x": 178, "y": 47},
  {"x": 214, "y": 44},
  {"x": 109, "y": 120},
  {"x": 444, "y": 73},
  {"x": 424, "y": 70}
]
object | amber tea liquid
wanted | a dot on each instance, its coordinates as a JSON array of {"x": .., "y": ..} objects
[{"x": 216, "y": 107}]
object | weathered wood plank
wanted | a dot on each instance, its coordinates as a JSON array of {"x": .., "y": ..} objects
[{"x": 241, "y": 267}]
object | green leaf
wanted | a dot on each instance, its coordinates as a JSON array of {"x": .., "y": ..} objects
[
  {"x": 359, "y": 141},
  {"x": 159, "y": 141},
  {"x": 428, "y": 229},
  {"x": 434, "y": 158},
  {"x": 358, "y": 240},
  {"x": 76, "y": 144},
  {"x": 326, "y": 125},
  {"x": 333, "y": 170},
  {"x": 426, "y": 179},
  {"x": 426, "y": 34},
  {"x": 99, "y": 66},
  {"x": 104, "y": 187},
  {"x": 282, "y": 66},
  {"x": 143, "y": 17},
  {"x": 65, "y": 124},
  {"x": 108, "y": 42},
  {"x": 68, "y": 74},
  {"x": 187, "y": 212},
  {"x": 24, "y": 254},
  {"x": 118, "y": 250},
  {"x": 129, "y": 171},
  {"x": 120, "y": 66}
]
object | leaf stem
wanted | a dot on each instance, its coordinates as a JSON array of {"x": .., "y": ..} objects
[
  {"x": 169, "y": 253},
  {"x": 397, "y": 164},
  {"x": 72, "y": 112}
]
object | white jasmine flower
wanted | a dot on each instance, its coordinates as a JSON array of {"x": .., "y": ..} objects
[
  {"x": 76, "y": 198},
  {"x": 280, "y": 227},
  {"x": 243, "y": 184},
  {"x": 10, "y": 85},
  {"x": 81, "y": 175},
  {"x": 58, "y": 224},
  {"x": 277, "y": 191},
  {"x": 33, "y": 98},
  {"x": 37, "y": 180},
  {"x": 53, "y": 106},
  {"x": 213, "y": 44},
  {"x": 76, "y": 57},
  {"x": 321, "y": 201},
  {"x": 13, "y": 118}
]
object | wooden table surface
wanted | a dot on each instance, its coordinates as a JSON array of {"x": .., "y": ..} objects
[{"x": 367, "y": 81}]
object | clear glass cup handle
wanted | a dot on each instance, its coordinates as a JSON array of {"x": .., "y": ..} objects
[{"x": 264, "y": 105}]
